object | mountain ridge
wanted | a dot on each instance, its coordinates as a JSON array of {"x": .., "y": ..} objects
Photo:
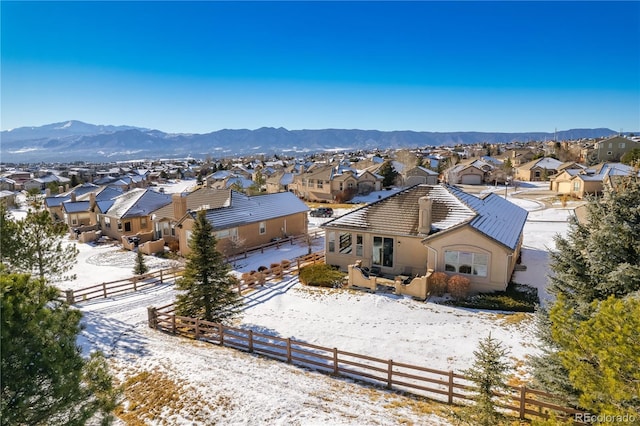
[{"x": 75, "y": 140}]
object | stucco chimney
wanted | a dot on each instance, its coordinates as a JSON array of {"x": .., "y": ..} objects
[
  {"x": 47, "y": 192},
  {"x": 92, "y": 200},
  {"x": 424, "y": 206},
  {"x": 179, "y": 205},
  {"x": 60, "y": 189},
  {"x": 73, "y": 197}
]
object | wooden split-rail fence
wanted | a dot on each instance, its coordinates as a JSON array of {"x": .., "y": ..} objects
[
  {"x": 140, "y": 282},
  {"x": 446, "y": 386},
  {"x": 118, "y": 287}
]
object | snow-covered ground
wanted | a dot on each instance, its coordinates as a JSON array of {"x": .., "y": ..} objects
[{"x": 220, "y": 385}]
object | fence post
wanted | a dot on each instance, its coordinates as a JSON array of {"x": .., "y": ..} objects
[
  {"x": 104, "y": 289},
  {"x": 390, "y": 374},
  {"x": 298, "y": 262},
  {"x": 450, "y": 396},
  {"x": 69, "y": 296},
  {"x": 289, "y": 350},
  {"x": 152, "y": 317},
  {"x": 221, "y": 333},
  {"x": 250, "y": 340},
  {"x": 135, "y": 281},
  {"x": 161, "y": 282},
  {"x": 173, "y": 324},
  {"x": 523, "y": 397},
  {"x": 197, "y": 332},
  {"x": 335, "y": 361}
]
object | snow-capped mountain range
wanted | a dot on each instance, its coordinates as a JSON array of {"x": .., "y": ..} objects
[{"x": 74, "y": 140}]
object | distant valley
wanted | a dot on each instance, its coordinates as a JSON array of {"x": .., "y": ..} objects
[{"x": 74, "y": 140}]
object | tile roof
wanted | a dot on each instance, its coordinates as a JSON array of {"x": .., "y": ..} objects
[
  {"x": 214, "y": 198},
  {"x": 75, "y": 207},
  {"x": 137, "y": 202},
  {"x": 398, "y": 214},
  {"x": 245, "y": 209}
]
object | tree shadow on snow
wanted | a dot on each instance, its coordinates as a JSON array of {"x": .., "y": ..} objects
[{"x": 111, "y": 336}]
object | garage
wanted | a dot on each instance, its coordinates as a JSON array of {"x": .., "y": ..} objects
[
  {"x": 564, "y": 187},
  {"x": 471, "y": 180}
]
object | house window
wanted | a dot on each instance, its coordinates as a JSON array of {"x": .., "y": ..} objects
[
  {"x": 465, "y": 262},
  {"x": 319, "y": 184},
  {"x": 610, "y": 144},
  {"x": 107, "y": 223},
  {"x": 331, "y": 242},
  {"x": 341, "y": 186},
  {"x": 576, "y": 186},
  {"x": 382, "y": 251},
  {"x": 231, "y": 233},
  {"x": 346, "y": 243},
  {"x": 350, "y": 185},
  {"x": 143, "y": 222},
  {"x": 74, "y": 221},
  {"x": 263, "y": 228},
  {"x": 127, "y": 227},
  {"x": 119, "y": 226},
  {"x": 621, "y": 145},
  {"x": 359, "y": 244},
  {"x": 311, "y": 183}
]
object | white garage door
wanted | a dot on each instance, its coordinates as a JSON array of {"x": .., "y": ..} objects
[{"x": 471, "y": 180}]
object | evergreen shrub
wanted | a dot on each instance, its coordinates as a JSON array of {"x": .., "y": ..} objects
[{"x": 321, "y": 275}]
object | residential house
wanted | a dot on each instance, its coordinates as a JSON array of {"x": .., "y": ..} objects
[
  {"x": 249, "y": 221},
  {"x": 418, "y": 175},
  {"x": 279, "y": 182},
  {"x": 469, "y": 172},
  {"x": 129, "y": 214},
  {"x": 613, "y": 148},
  {"x": 7, "y": 184},
  {"x": 434, "y": 227},
  {"x": 589, "y": 181},
  {"x": 166, "y": 217},
  {"x": 7, "y": 198},
  {"x": 325, "y": 183},
  {"x": 538, "y": 170}
]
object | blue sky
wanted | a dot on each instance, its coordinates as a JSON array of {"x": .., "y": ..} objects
[{"x": 426, "y": 66}]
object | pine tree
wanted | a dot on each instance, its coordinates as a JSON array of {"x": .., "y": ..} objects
[
  {"x": 45, "y": 379},
  {"x": 8, "y": 240},
  {"x": 602, "y": 354},
  {"x": 489, "y": 372},
  {"x": 41, "y": 250},
  {"x": 208, "y": 288},
  {"x": 388, "y": 173},
  {"x": 140, "y": 266},
  {"x": 596, "y": 260}
]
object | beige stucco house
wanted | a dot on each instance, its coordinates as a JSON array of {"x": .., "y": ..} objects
[
  {"x": 419, "y": 175},
  {"x": 249, "y": 221},
  {"x": 325, "y": 183},
  {"x": 538, "y": 170},
  {"x": 590, "y": 181},
  {"x": 437, "y": 227},
  {"x": 129, "y": 214}
]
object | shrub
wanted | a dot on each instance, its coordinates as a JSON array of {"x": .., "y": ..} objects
[
  {"x": 321, "y": 275},
  {"x": 517, "y": 298},
  {"x": 458, "y": 287},
  {"x": 438, "y": 283},
  {"x": 174, "y": 246},
  {"x": 262, "y": 268}
]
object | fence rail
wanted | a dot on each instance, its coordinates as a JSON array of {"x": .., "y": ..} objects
[
  {"x": 113, "y": 288},
  {"x": 446, "y": 386}
]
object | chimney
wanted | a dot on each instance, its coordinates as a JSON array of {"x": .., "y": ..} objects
[
  {"x": 73, "y": 197},
  {"x": 47, "y": 192},
  {"x": 179, "y": 205},
  {"x": 424, "y": 224},
  {"x": 92, "y": 200},
  {"x": 60, "y": 189}
]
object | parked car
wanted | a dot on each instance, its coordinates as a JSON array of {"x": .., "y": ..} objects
[{"x": 322, "y": 212}]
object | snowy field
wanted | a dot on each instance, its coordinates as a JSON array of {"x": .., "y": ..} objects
[{"x": 220, "y": 385}]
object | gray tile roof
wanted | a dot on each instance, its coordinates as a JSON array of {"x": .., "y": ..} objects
[
  {"x": 496, "y": 217},
  {"x": 493, "y": 216},
  {"x": 138, "y": 202},
  {"x": 398, "y": 214},
  {"x": 214, "y": 198},
  {"x": 245, "y": 209},
  {"x": 76, "y": 207}
]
